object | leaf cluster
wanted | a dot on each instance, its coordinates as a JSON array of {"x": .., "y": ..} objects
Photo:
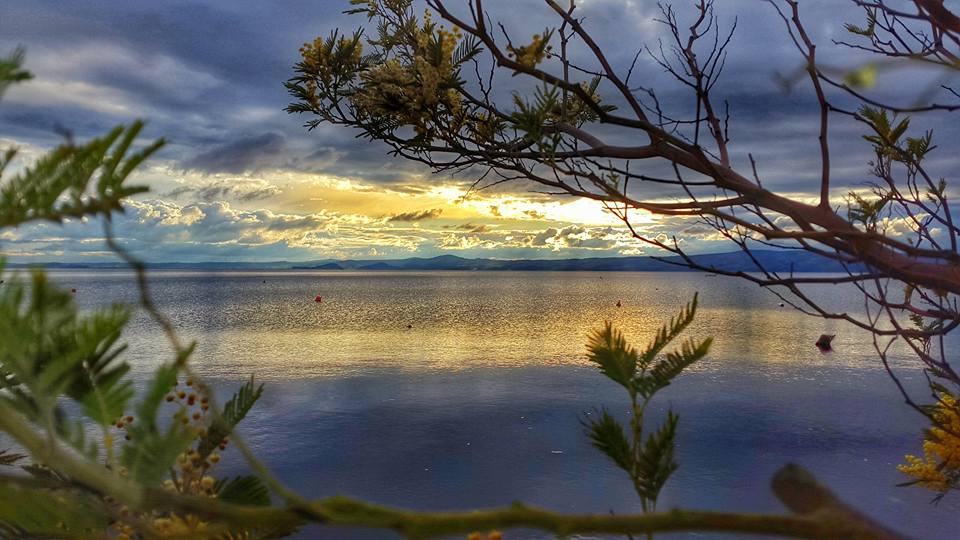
[
  {"x": 887, "y": 137},
  {"x": 649, "y": 460},
  {"x": 11, "y": 70},
  {"x": 62, "y": 370},
  {"x": 869, "y": 30}
]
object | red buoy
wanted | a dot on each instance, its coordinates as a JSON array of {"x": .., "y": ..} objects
[{"x": 318, "y": 299}]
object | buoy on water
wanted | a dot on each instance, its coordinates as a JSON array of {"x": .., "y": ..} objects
[
  {"x": 824, "y": 343},
  {"x": 318, "y": 299},
  {"x": 73, "y": 291}
]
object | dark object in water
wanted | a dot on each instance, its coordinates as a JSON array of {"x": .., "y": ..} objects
[
  {"x": 73, "y": 290},
  {"x": 619, "y": 304},
  {"x": 824, "y": 342},
  {"x": 409, "y": 326},
  {"x": 318, "y": 299},
  {"x": 781, "y": 304}
]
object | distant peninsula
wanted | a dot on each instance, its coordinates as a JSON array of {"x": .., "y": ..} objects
[{"x": 772, "y": 260}]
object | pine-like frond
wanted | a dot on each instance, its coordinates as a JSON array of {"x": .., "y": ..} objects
[
  {"x": 468, "y": 49},
  {"x": 42, "y": 513},
  {"x": 11, "y": 70},
  {"x": 45, "y": 473},
  {"x": 669, "y": 332},
  {"x": 233, "y": 412},
  {"x": 655, "y": 463},
  {"x": 9, "y": 459},
  {"x": 248, "y": 490},
  {"x": 102, "y": 389},
  {"x": 151, "y": 452},
  {"x": 607, "y": 435},
  {"x": 51, "y": 351},
  {"x": 73, "y": 433},
  {"x": 665, "y": 370},
  {"x": 75, "y": 180},
  {"x": 609, "y": 350}
]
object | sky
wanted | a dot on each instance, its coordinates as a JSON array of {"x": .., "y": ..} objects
[{"x": 241, "y": 180}]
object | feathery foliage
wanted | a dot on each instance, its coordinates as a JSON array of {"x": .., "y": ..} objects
[
  {"x": 244, "y": 490},
  {"x": 37, "y": 512},
  {"x": 74, "y": 181},
  {"x": 233, "y": 412},
  {"x": 152, "y": 451},
  {"x": 608, "y": 436},
  {"x": 11, "y": 71},
  {"x": 650, "y": 461},
  {"x": 51, "y": 351},
  {"x": 62, "y": 372},
  {"x": 9, "y": 458}
]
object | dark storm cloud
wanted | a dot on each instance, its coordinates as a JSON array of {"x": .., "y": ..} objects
[
  {"x": 470, "y": 227},
  {"x": 242, "y": 155},
  {"x": 182, "y": 190},
  {"x": 347, "y": 156},
  {"x": 258, "y": 194},
  {"x": 417, "y": 216},
  {"x": 203, "y": 72},
  {"x": 208, "y": 74},
  {"x": 244, "y": 191}
]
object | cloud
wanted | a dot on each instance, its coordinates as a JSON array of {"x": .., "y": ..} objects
[
  {"x": 416, "y": 216},
  {"x": 470, "y": 227},
  {"x": 165, "y": 231},
  {"x": 240, "y": 190},
  {"x": 575, "y": 236},
  {"x": 243, "y": 155},
  {"x": 110, "y": 61}
]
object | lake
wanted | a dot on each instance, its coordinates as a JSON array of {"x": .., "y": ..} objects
[{"x": 455, "y": 390}]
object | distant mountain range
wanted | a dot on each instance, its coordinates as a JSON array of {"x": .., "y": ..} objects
[{"x": 773, "y": 260}]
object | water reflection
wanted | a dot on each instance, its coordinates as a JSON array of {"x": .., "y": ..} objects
[
  {"x": 468, "y": 406},
  {"x": 269, "y": 324}
]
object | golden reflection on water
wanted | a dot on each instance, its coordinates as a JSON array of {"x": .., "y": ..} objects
[{"x": 270, "y": 326}]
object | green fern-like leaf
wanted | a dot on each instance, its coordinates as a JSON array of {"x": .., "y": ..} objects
[
  {"x": 75, "y": 180},
  {"x": 607, "y": 435},
  {"x": 11, "y": 70},
  {"x": 44, "y": 513},
  {"x": 74, "y": 433},
  {"x": 664, "y": 371},
  {"x": 669, "y": 332},
  {"x": 151, "y": 452},
  {"x": 45, "y": 473},
  {"x": 51, "y": 351},
  {"x": 247, "y": 490},
  {"x": 468, "y": 49},
  {"x": 8, "y": 458},
  {"x": 233, "y": 412},
  {"x": 102, "y": 389},
  {"x": 867, "y": 31},
  {"x": 609, "y": 350},
  {"x": 655, "y": 463}
]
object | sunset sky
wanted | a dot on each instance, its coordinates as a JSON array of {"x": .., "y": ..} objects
[{"x": 242, "y": 180}]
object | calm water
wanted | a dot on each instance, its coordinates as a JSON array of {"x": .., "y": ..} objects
[{"x": 478, "y": 403}]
